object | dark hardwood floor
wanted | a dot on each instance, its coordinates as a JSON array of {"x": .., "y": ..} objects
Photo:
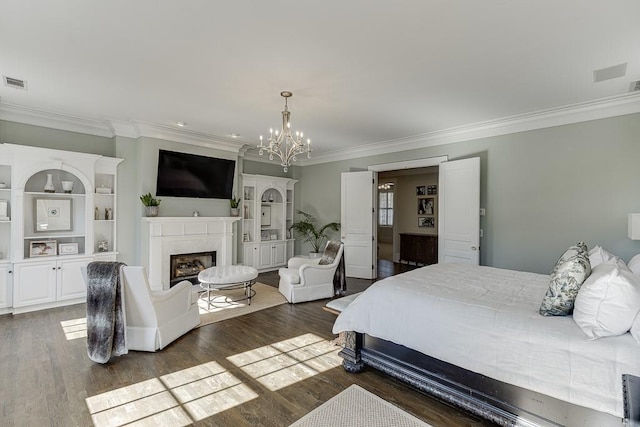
[{"x": 49, "y": 380}]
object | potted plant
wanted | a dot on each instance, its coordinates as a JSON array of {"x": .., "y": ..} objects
[
  {"x": 234, "y": 206},
  {"x": 308, "y": 229},
  {"x": 151, "y": 204}
]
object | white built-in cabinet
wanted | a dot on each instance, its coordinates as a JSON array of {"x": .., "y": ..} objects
[
  {"x": 267, "y": 214},
  {"x": 83, "y": 221}
]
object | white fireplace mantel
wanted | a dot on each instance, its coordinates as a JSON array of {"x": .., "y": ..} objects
[{"x": 166, "y": 236}]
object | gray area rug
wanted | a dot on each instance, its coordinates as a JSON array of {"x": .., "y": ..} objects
[
  {"x": 266, "y": 296},
  {"x": 356, "y": 407}
]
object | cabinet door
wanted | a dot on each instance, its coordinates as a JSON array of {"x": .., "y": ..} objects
[
  {"x": 279, "y": 253},
  {"x": 34, "y": 283},
  {"x": 265, "y": 256},
  {"x": 249, "y": 256},
  {"x": 69, "y": 278},
  {"x": 5, "y": 286}
]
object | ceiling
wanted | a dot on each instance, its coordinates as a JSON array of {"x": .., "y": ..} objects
[{"x": 362, "y": 72}]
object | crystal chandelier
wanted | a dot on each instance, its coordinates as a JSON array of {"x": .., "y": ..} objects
[{"x": 282, "y": 143}]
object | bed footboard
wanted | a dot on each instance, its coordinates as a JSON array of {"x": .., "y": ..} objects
[{"x": 501, "y": 403}]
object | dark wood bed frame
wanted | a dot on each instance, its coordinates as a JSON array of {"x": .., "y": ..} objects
[{"x": 501, "y": 403}]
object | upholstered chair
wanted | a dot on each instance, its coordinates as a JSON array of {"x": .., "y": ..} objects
[
  {"x": 305, "y": 279},
  {"x": 154, "y": 319}
]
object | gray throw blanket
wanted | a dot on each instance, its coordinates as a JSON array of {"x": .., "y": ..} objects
[
  {"x": 329, "y": 255},
  {"x": 106, "y": 334}
]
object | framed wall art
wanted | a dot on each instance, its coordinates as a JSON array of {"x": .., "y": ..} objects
[{"x": 53, "y": 215}]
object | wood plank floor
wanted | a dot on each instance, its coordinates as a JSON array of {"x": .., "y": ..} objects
[{"x": 46, "y": 378}]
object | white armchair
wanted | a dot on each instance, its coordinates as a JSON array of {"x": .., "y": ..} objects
[
  {"x": 305, "y": 280},
  {"x": 154, "y": 319}
]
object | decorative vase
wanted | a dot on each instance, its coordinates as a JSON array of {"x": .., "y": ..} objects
[
  {"x": 235, "y": 212},
  {"x": 67, "y": 186},
  {"x": 151, "y": 210},
  {"x": 48, "y": 187}
]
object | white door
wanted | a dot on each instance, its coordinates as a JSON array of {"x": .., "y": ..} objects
[
  {"x": 357, "y": 223},
  {"x": 459, "y": 212}
]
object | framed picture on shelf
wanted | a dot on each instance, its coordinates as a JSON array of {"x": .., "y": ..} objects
[
  {"x": 420, "y": 190},
  {"x": 266, "y": 215},
  {"x": 43, "y": 248},
  {"x": 432, "y": 190},
  {"x": 264, "y": 235},
  {"x": 273, "y": 236},
  {"x": 67, "y": 248}
]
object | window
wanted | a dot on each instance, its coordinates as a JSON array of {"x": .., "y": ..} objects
[{"x": 385, "y": 204}]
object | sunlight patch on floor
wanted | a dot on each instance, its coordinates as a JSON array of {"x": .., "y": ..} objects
[
  {"x": 287, "y": 362},
  {"x": 74, "y": 328},
  {"x": 176, "y": 399}
]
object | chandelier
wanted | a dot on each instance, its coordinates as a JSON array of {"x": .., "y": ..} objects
[{"x": 282, "y": 143}]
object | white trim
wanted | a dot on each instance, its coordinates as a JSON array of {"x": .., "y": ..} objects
[
  {"x": 619, "y": 105},
  {"x": 409, "y": 164},
  {"x": 37, "y": 117},
  {"x": 628, "y": 103}
]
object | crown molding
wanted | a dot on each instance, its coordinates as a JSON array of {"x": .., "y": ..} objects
[
  {"x": 628, "y": 103},
  {"x": 186, "y": 136},
  {"x": 37, "y": 117}
]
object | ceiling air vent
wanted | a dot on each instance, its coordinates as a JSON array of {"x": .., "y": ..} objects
[
  {"x": 635, "y": 86},
  {"x": 15, "y": 83}
]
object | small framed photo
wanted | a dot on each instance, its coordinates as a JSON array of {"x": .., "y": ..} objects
[
  {"x": 68, "y": 248},
  {"x": 273, "y": 236},
  {"x": 420, "y": 190},
  {"x": 428, "y": 222},
  {"x": 245, "y": 237},
  {"x": 425, "y": 206},
  {"x": 43, "y": 248},
  {"x": 432, "y": 190},
  {"x": 264, "y": 235}
]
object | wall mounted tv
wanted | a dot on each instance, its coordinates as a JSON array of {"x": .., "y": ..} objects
[{"x": 190, "y": 175}]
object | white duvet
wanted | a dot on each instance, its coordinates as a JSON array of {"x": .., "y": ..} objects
[{"x": 486, "y": 320}]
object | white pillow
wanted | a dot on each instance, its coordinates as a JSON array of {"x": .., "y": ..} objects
[
  {"x": 634, "y": 264},
  {"x": 608, "y": 301},
  {"x": 598, "y": 255}
]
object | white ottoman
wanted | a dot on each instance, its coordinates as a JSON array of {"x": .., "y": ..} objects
[{"x": 228, "y": 277}]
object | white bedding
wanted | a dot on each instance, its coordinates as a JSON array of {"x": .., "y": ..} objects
[{"x": 486, "y": 320}]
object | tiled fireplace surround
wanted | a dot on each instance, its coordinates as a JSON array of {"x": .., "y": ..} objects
[{"x": 166, "y": 236}]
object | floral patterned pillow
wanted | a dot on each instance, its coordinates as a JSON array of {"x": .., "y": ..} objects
[{"x": 567, "y": 276}]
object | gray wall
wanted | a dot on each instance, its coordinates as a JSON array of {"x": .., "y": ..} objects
[{"x": 543, "y": 190}]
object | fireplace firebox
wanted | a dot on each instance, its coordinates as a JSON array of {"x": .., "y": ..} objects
[{"x": 187, "y": 266}]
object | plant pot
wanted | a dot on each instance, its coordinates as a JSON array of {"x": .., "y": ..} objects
[
  {"x": 235, "y": 212},
  {"x": 151, "y": 210},
  {"x": 313, "y": 255}
]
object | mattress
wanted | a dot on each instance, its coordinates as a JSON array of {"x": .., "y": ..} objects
[{"x": 486, "y": 320}]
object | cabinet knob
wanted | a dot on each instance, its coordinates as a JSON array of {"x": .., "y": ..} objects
[
  {"x": 10, "y": 271},
  {"x": 53, "y": 268}
]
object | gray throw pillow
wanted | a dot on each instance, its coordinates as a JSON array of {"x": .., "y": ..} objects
[{"x": 567, "y": 276}]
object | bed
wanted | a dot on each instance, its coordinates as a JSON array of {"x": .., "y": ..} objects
[{"x": 473, "y": 337}]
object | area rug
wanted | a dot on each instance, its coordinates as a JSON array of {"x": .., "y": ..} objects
[
  {"x": 356, "y": 407},
  {"x": 266, "y": 296}
]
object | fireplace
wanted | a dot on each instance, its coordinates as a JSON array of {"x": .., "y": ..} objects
[{"x": 187, "y": 266}]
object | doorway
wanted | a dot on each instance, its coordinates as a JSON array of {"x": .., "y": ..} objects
[{"x": 410, "y": 196}]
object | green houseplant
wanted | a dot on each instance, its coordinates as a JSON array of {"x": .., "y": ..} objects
[
  {"x": 234, "y": 205},
  {"x": 308, "y": 229},
  {"x": 150, "y": 204}
]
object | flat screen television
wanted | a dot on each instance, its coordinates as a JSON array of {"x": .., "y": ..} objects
[{"x": 190, "y": 175}]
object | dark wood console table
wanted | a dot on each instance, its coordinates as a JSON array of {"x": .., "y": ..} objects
[{"x": 419, "y": 248}]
